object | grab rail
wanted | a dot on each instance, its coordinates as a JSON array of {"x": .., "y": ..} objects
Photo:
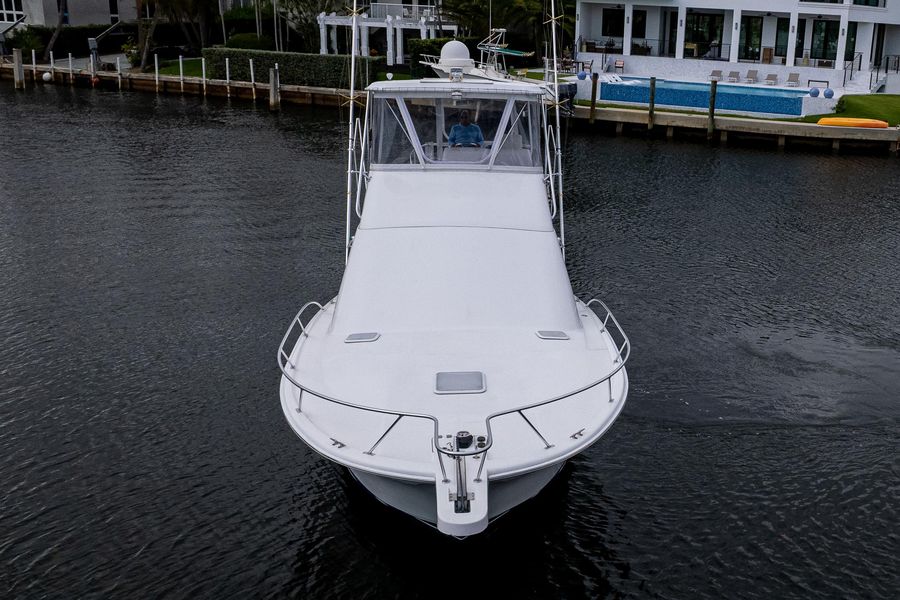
[{"x": 284, "y": 360}]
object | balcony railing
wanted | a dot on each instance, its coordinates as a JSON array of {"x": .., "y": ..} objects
[
  {"x": 379, "y": 10},
  {"x": 706, "y": 50}
]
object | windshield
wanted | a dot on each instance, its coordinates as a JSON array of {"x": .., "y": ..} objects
[{"x": 482, "y": 132}]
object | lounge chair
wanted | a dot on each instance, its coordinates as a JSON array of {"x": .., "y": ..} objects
[
  {"x": 771, "y": 79},
  {"x": 752, "y": 76},
  {"x": 734, "y": 76},
  {"x": 793, "y": 80},
  {"x": 716, "y": 75}
]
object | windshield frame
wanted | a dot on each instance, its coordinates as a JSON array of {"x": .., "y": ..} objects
[{"x": 389, "y": 104}]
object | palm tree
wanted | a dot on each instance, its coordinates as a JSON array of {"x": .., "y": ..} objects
[{"x": 60, "y": 21}]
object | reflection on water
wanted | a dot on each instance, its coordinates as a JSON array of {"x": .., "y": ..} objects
[{"x": 153, "y": 250}]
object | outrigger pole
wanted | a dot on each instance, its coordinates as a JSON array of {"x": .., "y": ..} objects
[
  {"x": 557, "y": 148},
  {"x": 351, "y": 144}
]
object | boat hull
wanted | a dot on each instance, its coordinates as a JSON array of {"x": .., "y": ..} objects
[{"x": 417, "y": 499}]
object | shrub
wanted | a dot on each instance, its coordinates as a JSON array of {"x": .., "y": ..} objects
[
  {"x": 249, "y": 41},
  {"x": 321, "y": 70},
  {"x": 27, "y": 40},
  {"x": 132, "y": 52},
  {"x": 74, "y": 38}
]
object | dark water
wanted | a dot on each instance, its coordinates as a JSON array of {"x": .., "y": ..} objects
[{"x": 153, "y": 249}]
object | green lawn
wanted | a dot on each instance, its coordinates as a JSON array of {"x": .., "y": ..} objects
[
  {"x": 885, "y": 107},
  {"x": 382, "y": 76},
  {"x": 193, "y": 67}
]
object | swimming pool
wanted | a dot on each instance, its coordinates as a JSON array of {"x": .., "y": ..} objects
[{"x": 744, "y": 98}]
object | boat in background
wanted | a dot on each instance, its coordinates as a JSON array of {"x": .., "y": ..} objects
[
  {"x": 455, "y": 372},
  {"x": 491, "y": 65}
]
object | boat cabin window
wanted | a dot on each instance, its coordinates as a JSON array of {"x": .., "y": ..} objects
[{"x": 476, "y": 132}]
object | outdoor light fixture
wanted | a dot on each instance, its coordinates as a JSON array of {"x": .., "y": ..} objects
[{"x": 627, "y": 20}]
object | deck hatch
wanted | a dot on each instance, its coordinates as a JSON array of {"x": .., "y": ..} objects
[
  {"x": 459, "y": 382},
  {"x": 356, "y": 338},
  {"x": 552, "y": 335}
]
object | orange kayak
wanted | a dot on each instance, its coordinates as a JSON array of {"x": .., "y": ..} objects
[{"x": 849, "y": 122}]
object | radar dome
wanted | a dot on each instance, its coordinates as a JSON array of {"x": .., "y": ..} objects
[{"x": 455, "y": 54}]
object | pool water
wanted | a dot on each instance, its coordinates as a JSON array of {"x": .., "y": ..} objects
[{"x": 696, "y": 95}]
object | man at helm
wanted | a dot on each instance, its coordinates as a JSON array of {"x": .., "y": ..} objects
[{"x": 465, "y": 133}]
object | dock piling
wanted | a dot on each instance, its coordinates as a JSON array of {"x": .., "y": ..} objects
[
  {"x": 651, "y": 108},
  {"x": 203, "y": 73},
  {"x": 227, "y": 77},
  {"x": 781, "y": 142},
  {"x": 252, "y": 80},
  {"x": 711, "y": 124},
  {"x": 18, "y": 69},
  {"x": 181, "y": 72},
  {"x": 595, "y": 77},
  {"x": 670, "y": 132},
  {"x": 274, "y": 90},
  {"x": 156, "y": 71},
  {"x": 835, "y": 146},
  {"x": 52, "y": 68},
  {"x": 71, "y": 71},
  {"x": 119, "y": 72},
  {"x": 33, "y": 66}
]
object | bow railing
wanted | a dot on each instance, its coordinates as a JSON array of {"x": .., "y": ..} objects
[{"x": 288, "y": 369}]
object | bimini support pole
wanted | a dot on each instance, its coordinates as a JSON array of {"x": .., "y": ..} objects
[{"x": 351, "y": 138}]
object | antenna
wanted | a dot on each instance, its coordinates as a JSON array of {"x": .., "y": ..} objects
[{"x": 351, "y": 143}]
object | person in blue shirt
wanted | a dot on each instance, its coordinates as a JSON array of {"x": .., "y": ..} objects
[{"x": 465, "y": 133}]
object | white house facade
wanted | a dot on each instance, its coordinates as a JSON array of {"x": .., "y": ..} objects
[
  {"x": 792, "y": 34},
  {"x": 80, "y": 12}
]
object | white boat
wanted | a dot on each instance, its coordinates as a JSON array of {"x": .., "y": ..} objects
[
  {"x": 491, "y": 64},
  {"x": 455, "y": 372}
]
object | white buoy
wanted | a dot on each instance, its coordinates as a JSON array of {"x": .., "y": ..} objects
[{"x": 46, "y": 77}]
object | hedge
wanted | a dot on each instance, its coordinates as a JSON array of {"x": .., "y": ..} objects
[
  {"x": 249, "y": 41},
  {"x": 417, "y": 47},
  {"x": 322, "y": 70},
  {"x": 71, "y": 39}
]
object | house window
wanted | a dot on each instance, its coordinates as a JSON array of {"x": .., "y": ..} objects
[
  {"x": 750, "y": 38},
  {"x": 782, "y": 33},
  {"x": 613, "y": 22},
  {"x": 639, "y": 24},
  {"x": 11, "y": 10},
  {"x": 825, "y": 39},
  {"x": 113, "y": 11}
]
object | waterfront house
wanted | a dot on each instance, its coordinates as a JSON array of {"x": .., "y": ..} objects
[
  {"x": 691, "y": 38},
  {"x": 399, "y": 20},
  {"x": 80, "y": 12}
]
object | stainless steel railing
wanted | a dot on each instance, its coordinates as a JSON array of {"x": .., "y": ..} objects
[{"x": 623, "y": 351}]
